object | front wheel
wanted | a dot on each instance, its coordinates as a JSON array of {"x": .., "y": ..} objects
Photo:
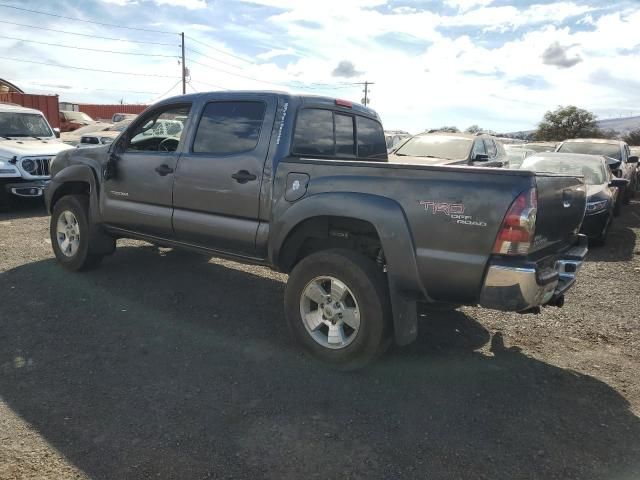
[
  {"x": 70, "y": 233},
  {"x": 337, "y": 306}
]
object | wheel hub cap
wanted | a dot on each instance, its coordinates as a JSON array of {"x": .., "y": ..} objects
[
  {"x": 330, "y": 312},
  {"x": 68, "y": 233}
]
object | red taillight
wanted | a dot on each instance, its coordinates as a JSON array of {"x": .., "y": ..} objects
[
  {"x": 518, "y": 227},
  {"x": 344, "y": 103}
]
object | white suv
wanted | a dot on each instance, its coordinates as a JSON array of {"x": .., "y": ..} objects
[{"x": 27, "y": 146}]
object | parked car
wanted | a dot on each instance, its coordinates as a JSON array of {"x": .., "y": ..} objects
[
  {"x": 73, "y": 137},
  {"x": 516, "y": 153},
  {"x": 70, "y": 120},
  {"x": 394, "y": 138},
  {"x": 602, "y": 187},
  {"x": 302, "y": 184},
  {"x": 443, "y": 148},
  {"x": 119, "y": 117},
  {"x": 541, "y": 146},
  {"x": 110, "y": 134},
  {"x": 27, "y": 145},
  {"x": 615, "y": 149}
]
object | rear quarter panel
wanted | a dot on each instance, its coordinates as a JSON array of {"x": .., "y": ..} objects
[{"x": 453, "y": 213}]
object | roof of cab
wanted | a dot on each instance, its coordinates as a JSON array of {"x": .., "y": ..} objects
[
  {"x": 316, "y": 100},
  {"x": 13, "y": 108}
]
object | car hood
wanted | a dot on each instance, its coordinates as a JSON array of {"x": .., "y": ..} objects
[
  {"x": 25, "y": 146},
  {"x": 393, "y": 158}
]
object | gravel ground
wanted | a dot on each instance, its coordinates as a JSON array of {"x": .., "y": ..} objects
[{"x": 163, "y": 365}]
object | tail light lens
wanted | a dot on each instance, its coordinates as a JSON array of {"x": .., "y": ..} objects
[{"x": 518, "y": 227}]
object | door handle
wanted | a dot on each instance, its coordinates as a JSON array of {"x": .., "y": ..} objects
[
  {"x": 243, "y": 176},
  {"x": 164, "y": 170}
]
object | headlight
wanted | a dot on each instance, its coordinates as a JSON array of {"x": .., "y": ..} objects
[
  {"x": 29, "y": 165},
  {"x": 593, "y": 207}
]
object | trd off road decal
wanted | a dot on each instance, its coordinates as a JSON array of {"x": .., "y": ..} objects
[{"x": 455, "y": 211}]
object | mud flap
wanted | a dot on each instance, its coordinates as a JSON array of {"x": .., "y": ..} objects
[{"x": 405, "y": 316}]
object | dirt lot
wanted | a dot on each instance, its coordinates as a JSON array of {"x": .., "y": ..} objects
[{"x": 164, "y": 365}]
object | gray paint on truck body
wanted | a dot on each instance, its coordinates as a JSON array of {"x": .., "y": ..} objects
[{"x": 432, "y": 254}]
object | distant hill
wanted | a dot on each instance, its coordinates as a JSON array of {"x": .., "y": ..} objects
[{"x": 621, "y": 125}]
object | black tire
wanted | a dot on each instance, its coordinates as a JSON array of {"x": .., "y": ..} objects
[
  {"x": 369, "y": 287},
  {"x": 617, "y": 207},
  {"x": 626, "y": 195},
  {"x": 84, "y": 258}
]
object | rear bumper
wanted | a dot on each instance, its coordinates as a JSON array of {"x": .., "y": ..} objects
[
  {"x": 26, "y": 188},
  {"x": 522, "y": 286}
]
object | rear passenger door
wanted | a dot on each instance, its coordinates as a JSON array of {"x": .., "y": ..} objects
[{"x": 217, "y": 187}]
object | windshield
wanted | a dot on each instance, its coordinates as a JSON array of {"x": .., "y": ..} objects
[
  {"x": 537, "y": 147},
  {"x": 438, "y": 146},
  {"x": 592, "y": 170},
  {"x": 78, "y": 116},
  {"x": 120, "y": 126},
  {"x": 606, "y": 149},
  {"x": 23, "y": 125}
]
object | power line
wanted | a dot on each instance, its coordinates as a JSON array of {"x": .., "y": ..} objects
[
  {"x": 89, "y": 69},
  {"x": 162, "y": 95},
  {"x": 282, "y": 84},
  {"x": 87, "y": 21},
  {"x": 209, "y": 57},
  {"x": 90, "y": 49},
  {"x": 218, "y": 50},
  {"x": 209, "y": 84},
  {"x": 91, "y": 35}
]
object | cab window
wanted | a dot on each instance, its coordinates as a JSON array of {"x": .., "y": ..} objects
[
  {"x": 159, "y": 131},
  {"x": 227, "y": 128}
]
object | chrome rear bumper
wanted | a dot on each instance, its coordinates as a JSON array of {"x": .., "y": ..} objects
[{"x": 522, "y": 287}]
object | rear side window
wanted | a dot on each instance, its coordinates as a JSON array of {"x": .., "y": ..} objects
[
  {"x": 314, "y": 133},
  {"x": 226, "y": 128},
  {"x": 371, "y": 143},
  {"x": 332, "y": 134},
  {"x": 345, "y": 145},
  {"x": 491, "y": 148}
]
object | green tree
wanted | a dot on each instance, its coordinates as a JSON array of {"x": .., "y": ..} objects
[
  {"x": 473, "y": 129},
  {"x": 567, "y": 122},
  {"x": 451, "y": 129},
  {"x": 633, "y": 137}
]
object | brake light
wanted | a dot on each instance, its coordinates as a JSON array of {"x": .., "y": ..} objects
[
  {"x": 518, "y": 227},
  {"x": 344, "y": 103}
]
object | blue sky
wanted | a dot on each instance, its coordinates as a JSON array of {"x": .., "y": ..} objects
[{"x": 497, "y": 63}]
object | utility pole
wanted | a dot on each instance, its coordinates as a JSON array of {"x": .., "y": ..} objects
[
  {"x": 365, "y": 100},
  {"x": 184, "y": 68}
]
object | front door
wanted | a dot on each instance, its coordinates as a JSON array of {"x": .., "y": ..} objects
[
  {"x": 139, "y": 196},
  {"x": 216, "y": 195}
]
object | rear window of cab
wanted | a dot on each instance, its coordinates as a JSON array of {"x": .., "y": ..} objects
[{"x": 337, "y": 135}]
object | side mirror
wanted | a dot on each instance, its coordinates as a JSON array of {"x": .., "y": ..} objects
[
  {"x": 619, "y": 183},
  {"x": 613, "y": 164},
  {"x": 632, "y": 159},
  {"x": 481, "y": 157},
  {"x": 56, "y": 132}
]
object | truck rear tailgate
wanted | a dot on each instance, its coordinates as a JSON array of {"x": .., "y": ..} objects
[{"x": 561, "y": 207}]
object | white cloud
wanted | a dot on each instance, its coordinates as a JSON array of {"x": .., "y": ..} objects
[{"x": 456, "y": 70}]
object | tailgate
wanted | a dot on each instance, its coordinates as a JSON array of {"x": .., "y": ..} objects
[{"x": 561, "y": 207}]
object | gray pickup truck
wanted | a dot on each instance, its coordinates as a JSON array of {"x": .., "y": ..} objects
[{"x": 302, "y": 184}]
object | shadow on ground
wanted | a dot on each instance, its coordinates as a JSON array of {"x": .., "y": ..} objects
[
  {"x": 24, "y": 208},
  {"x": 165, "y": 366}
]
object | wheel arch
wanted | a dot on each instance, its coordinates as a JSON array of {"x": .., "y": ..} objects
[
  {"x": 384, "y": 216},
  {"x": 75, "y": 179}
]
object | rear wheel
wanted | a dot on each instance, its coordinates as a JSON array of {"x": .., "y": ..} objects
[
  {"x": 71, "y": 233},
  {"x": 337, "y": 306}
]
